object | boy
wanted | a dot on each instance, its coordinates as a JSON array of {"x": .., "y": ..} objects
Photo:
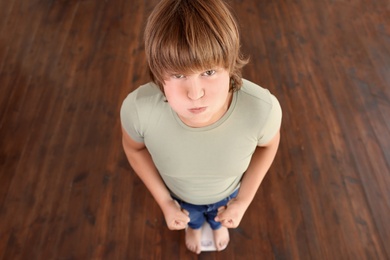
[{"x": 199, "y": 137}]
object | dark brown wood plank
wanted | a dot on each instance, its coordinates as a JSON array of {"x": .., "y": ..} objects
[{"x": 67, "y": 191}]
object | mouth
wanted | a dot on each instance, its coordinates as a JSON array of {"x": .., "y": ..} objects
[{"x": 197, "y": 110}]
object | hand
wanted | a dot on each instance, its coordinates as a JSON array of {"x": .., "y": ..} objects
[
  {"x": 175, "y": 217},
  {"x": 230, "y": 215}
]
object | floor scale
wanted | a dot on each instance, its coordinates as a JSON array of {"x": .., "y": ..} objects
[{"x": 207, "y": 239}]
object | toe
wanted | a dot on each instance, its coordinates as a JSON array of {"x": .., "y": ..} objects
[{"x": 222, "y": 245}]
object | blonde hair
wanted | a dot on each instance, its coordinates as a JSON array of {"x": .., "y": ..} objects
[{"x": 183, "y": 36}]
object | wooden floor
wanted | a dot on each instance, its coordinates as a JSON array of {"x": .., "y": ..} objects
[{"x": 67, "y": 191}]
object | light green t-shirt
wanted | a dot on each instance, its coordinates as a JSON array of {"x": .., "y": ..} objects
[{"x": 202, "y": 165}]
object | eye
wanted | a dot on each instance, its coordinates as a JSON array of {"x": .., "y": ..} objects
[
  {"x": 208, "y": 73},
  {"x": 178, "y": 76}
]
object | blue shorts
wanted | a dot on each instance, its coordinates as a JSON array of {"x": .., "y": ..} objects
[{"x": 201, "y": 213}]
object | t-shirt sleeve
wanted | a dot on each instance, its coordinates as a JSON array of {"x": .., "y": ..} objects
[
  {"x": 130, "y": 118},
  {"x": 273, "y": 123}
]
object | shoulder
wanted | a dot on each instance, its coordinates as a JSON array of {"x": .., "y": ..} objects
[
  {"x": 256, "y": 98},
  {"x": 144, "y": 97},
  {"x": 253, "y": 91},
  {"x": 261, "y": 109},
  {"x": 142, "y": 101},
  {"x": 145, "y": 93},
  {"x": 138, "y": 109}
]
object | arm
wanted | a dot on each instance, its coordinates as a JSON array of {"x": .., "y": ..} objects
[
  {"x": 141, "y": 162},
  {"x": 261, "y": 161}
]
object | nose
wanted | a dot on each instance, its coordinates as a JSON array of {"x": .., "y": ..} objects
[{"x": 195, "y": 90}]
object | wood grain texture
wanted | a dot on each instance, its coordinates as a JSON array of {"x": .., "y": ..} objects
[{"x": 68, "y": 192}]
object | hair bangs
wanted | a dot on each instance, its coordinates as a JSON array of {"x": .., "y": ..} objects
[
  {"x": 186, "y": 36},
  {"x": 191, "y": 52}
]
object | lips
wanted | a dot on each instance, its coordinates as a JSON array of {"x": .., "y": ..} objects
[{"x": 197, "y": 110}]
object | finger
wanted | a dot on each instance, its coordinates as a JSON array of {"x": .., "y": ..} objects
[
  {"x": 220, "y": 217},
  {"x": 185, "y": 217},
  {"x": 227, "y": 223},
  {"x": 185, "y": 212},
  {"x": 222, "y": 208},
  {"x": 179, "y": 224},
  {"x": 231, "y": 223}
]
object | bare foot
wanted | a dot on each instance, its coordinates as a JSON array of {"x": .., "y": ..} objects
[
  {"x": 221, "y": 238},
  {"x": 193, "y": 240}
]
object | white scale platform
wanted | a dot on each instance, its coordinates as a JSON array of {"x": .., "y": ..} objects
[{"x": 207, "y": 239}]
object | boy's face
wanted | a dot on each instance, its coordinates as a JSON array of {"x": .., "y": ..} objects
[{"x": 200, "y": 99}]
